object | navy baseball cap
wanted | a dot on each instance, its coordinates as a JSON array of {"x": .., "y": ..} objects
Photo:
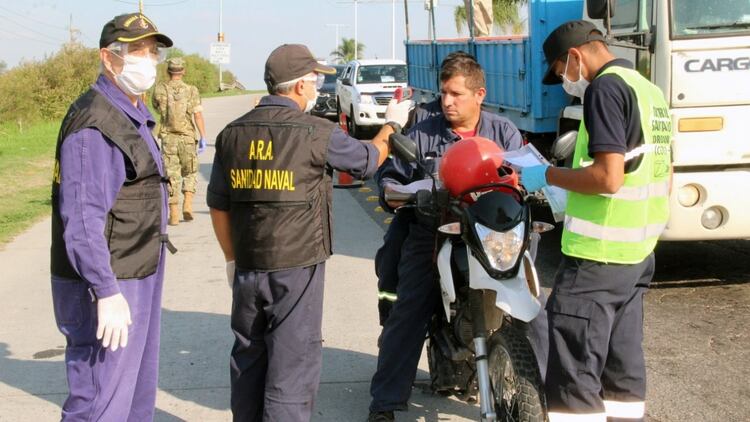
[
  {"x": 291, "y": 61},
  {"x": 131, "y": 27},
  {"x": 566, "y": 36}
]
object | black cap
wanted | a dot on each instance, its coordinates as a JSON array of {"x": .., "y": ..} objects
[
  {"x": 289, "y": 62},
  {"x": 568, "y": 35},
  {"x": 129, "y": 28}
]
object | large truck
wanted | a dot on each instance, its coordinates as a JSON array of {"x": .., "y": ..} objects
[{"x": 696, "y": 51}]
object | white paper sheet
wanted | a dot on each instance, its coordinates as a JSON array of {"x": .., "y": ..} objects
[{"x": 528, "y": 156}]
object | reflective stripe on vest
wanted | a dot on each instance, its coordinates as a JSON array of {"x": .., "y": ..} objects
[
  {"x": 640, "y": 193},
  {"x": 625, "y": 410},
  {"x": 612, "y": 234},
  {"x": 623, "y": 227}
]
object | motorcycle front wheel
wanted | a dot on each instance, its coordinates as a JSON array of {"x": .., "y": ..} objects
[{"x": 514, "y": 377}]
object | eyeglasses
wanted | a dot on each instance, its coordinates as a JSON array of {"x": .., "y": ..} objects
[
  {"x": 157, "y": 53},
  {"x": 318, "y": 79}
]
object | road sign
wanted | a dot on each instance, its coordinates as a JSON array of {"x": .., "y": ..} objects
[{"x": 220, "y": 52}]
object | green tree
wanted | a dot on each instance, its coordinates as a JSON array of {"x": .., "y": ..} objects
[
  {"x": 504, "y": 12},
  {"x": 198, "y": 71},
  {"x": 345, "y": 52}
]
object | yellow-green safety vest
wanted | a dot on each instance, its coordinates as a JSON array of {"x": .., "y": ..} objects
[{"x": 623, "y": 227}]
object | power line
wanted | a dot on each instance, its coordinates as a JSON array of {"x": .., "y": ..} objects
[
  {"x": 16, "y": 34},
  {"x": 33, "y": 19},
  {"x": 135, "y": 3},
  {"x": 29, "y": 29}
]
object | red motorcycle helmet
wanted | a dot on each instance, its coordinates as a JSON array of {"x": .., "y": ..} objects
[{"x": 472, "y": 162}]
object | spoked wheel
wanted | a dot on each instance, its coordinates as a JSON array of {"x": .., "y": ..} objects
[{"x": 514, "y": 377}]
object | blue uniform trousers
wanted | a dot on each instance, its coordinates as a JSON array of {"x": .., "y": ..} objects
[
  {"x": 106, "y": 385},
  {"x": 277, "y": 352},
  {"x": 595, "y": 317},
  {"x": 387, "y": 259},
  {"x": 406, "y": 327}
]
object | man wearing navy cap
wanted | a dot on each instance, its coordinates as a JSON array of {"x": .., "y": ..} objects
[
  {"x": 270, "y": 196},
  {"x": 109, "y": 232},
  {"x": 618, "y": 192}
]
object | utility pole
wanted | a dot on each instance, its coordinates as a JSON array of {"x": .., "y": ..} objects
[
  {"x": 220, "y": 36},
  {"x": 393, "y": 29},
  {"x": 140, "y": 6},
  {"x": 337, "y": 26},
  {"x": 356, "y": 38},
  {"x": 72, "y": 31},
  {"x": 406, "y": 18}
]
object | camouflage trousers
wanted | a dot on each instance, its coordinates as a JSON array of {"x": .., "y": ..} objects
[{"x": 180, "y": 155}]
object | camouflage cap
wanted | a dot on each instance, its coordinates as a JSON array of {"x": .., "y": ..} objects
[
  {"x": 176, "y": 65},
  {"x": 129, "y": 28}
]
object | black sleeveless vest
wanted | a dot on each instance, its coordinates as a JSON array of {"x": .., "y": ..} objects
[
  {"x": 133, "y": 228},
  {"x": 274, "y": 160}
]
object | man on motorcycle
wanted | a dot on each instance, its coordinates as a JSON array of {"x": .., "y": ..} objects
[
  {"x": 387, "y": 257},
  {"x": 417, "y": 294}
]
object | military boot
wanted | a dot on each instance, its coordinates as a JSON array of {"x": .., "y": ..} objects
[
  {"x": 174, "y": 214},
  {"x": 187, "y": 207}
]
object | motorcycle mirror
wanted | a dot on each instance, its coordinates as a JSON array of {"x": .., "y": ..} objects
[
  {"x": 564, "y": 145},
  {"x": 403, "y": 147},
  {"x": 541, "y": 226},
  {"x": 450, "y": 228}
]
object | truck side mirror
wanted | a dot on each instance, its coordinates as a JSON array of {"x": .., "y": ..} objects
[
  {"x": 403, "y": 147},
  {"x": 345, "y": 81},
  {"x": 597, "y": 9},
  {"x": 564, "y": 145}
]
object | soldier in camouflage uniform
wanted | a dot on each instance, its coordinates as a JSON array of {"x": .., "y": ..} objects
[{"x": 179, "y": 105}]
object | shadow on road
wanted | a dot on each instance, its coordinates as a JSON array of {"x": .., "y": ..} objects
[{"x": 195, "y": 368}]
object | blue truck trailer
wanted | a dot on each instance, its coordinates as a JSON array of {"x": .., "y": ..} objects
[{"x": 513, "y": 65}]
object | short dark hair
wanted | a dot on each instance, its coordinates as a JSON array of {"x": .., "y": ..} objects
[
  {"x": 459, "y": 54},
  {"x": 467, "y": 67}
]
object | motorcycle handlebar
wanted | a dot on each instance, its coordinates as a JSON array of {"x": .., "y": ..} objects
[{"x": 399, "y": 196}]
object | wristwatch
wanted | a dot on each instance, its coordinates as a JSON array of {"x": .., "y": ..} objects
[{"x": 395, "y": 126}]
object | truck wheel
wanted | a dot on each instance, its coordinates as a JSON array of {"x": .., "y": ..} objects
[{"x": 514, "y": 377}]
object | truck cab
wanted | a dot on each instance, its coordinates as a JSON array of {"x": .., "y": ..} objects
[
  {"x": 364, "y": 90},
  {"x": 698, "y": 53}
]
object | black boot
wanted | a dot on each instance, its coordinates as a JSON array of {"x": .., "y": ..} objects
[{"x": 381, "y": 417}]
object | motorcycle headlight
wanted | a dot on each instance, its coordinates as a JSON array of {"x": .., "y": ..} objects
[
  {"x": 502, "y": 248},
  {"x": 365, "y": 99}
]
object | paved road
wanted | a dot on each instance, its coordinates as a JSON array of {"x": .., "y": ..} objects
[{"x": 696, "y": 317}]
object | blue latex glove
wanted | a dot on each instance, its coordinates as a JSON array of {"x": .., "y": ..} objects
[
  {"x": 534, "y": 178},
  {"x": 201, "y": 145}
]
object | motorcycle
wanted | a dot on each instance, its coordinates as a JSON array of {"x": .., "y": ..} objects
[{"x": 478, "y": 344}]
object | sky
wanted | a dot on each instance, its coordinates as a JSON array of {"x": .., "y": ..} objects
[{"x": 31, "y": 29}]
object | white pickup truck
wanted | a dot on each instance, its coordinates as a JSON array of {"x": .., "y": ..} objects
[{"x": 364, "y": 90}]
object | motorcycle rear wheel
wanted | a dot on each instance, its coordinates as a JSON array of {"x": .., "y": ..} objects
[{"x": 514, "y": 377}]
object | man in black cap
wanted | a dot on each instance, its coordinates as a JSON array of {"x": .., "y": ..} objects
[
  {"x": 618, "y": 192},
  {"x": 270, "y": 197},
  {"x": 109, "y": 205}
]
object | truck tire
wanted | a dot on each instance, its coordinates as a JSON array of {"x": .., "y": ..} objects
[{"x": 514, "y": 377}]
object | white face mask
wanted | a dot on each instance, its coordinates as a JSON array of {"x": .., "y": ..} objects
[
  {"x": 577, "y": 88},
  {"x": 311, "y": 102},
  {"x": 137, "y": 76}
]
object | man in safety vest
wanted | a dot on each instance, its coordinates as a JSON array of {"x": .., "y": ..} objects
[{"x": 618, "y": 191}]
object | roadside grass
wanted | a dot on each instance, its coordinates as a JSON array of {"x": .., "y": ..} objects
[
  {"x": 26, "y": 161},
  {"x": 231, "y": 92}
]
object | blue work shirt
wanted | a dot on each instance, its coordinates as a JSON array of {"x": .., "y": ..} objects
[
  {"x": 433, "y": 136},
  {"x": 92, "y": 171},
  {"x": 344, "y": 154}
]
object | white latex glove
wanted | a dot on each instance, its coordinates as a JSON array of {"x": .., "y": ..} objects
[
  {"x": 230, "y": 273},
  {"x": 398, "y": 111},
  {"x": 113, "y": 313}
]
